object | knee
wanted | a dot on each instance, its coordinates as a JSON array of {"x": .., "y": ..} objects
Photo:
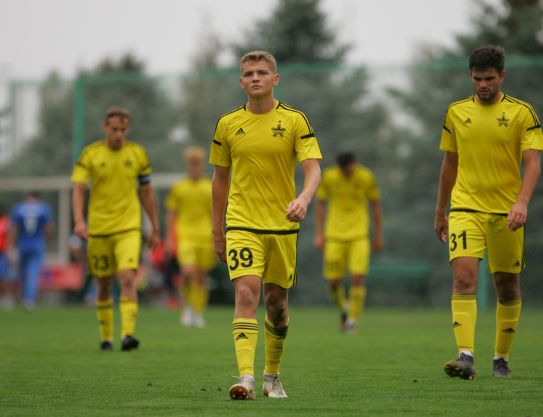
[
  {"x": 357, "y": 280},
  {"x": 104, "y": 288},
  {"x": 334, "y": 283},
  {"x": 276, "y": 309},
  {"x": 246, "y": 297},
  {"x": 507, "y": 286},
  {"x": 465, "y": 282},
  {"x": 127, "y": 279}
]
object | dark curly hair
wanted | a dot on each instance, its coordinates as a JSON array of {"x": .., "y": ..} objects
[
  {"x": 344, "y": 159},
  {"x": 486, "y": 57}
]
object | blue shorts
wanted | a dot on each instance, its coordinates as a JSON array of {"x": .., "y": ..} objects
[{"x": 6, "y": 271}]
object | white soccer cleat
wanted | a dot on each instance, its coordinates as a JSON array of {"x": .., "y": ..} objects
[
  {"x": 244, "y": 389},
  {"x": 351, "y": 326},
  {"x": 187, "y": 317},
  {"x": 272, "y": 387},
  {"x": 198, "y": 321}
]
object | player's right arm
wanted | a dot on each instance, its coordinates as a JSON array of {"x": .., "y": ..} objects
[
  {"x": 78, "y": 203},
  {"x": 220, "y": 185},
  {"x": 447, "y": 179}
]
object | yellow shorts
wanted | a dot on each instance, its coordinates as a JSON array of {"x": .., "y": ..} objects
[
  {"x": 269, "y": 256},
  {"x": 198, "y": 253},
  {"x": 339, "y": 255},
  {"x": 471, "y": 233},
  {"x": 106, "y": 255}
]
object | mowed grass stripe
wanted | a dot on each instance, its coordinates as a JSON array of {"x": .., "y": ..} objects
[{"x": 51, "y": 366}]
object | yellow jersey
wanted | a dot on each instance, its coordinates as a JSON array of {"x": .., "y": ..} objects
[
  {"x": 114, "y": 204},
  {"x": 190, "y": 200},
  {"x": 489, "y": 141},
  {"x": 262, "y": 150},
  {"x": 347, "y": 200}
]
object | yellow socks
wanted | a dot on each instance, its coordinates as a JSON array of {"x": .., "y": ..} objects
[
  {"x": 198, "y": 298},
  {"x": 464, "y": 317},
  {"x": 245, "y": 333},
  {"x": 129, "y": 313},
  {"x": 507, "y": 317},
  {"x": 104, "y": 314},
  {"x": 357, "y": 296},
  {"x": 275, "y": 342},
  {"x": 337, "y": 295}
]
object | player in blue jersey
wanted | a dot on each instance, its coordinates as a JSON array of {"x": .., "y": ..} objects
[{"x": 31, "y": 224}]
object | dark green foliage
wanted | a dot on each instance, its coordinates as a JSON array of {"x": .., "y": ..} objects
[{"x": 113, "y": 82}]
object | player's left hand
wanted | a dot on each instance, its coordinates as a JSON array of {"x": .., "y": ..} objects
[
  {"x": 153, "y": 240},
  {"x": 297, "y": 209},
  {"x": 517, "y": 215}
]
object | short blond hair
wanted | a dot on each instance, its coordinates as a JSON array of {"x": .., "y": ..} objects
[
  {"x": 117, "y": 112},
  {"x": 257, "y": 56},
  {"x": 194, "y": 153}
]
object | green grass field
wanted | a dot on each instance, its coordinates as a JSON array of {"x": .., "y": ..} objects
[{"x": 51, "y": 366}]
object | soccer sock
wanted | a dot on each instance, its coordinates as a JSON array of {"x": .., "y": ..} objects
[
  {"x": 507, "y": 317},
  {"x": 199, "y": 296},
  {"x": 357, "y": 296},
  {"x": 104, "y": 314},
  {"x": 337, "y": 295},
  {"x": 274, "y": 346},
  {"x": 464, "y": 317},
  {"x": 185, "y": 294},
  {"x": 245, "y": 333},
  {"x": 129, "y": 313}
]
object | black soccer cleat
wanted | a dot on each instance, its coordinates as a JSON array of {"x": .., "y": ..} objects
[
  {"x": 500, "y": 368},
  {"x": 461, "y": 367},
  {"x": 129, "y": 343},
  {"x": 106, "y": 346}
]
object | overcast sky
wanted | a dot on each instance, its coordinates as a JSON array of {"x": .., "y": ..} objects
[{"x": 37, "y": 36}]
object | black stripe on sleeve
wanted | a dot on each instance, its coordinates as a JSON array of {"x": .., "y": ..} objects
[
  {"x": 286, "y": 107},
  {"x": 309, "y": 135},
  {"x": 81, "y": 164},
  {"x": 144, "y": 179},
  {"x": 534, "y": 127},
  {"x": 216, "y": 142},
  {"x": 446, "y": 128}
]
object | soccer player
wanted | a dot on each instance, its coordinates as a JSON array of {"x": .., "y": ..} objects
[
  {"x": 485, "y": 138},
  {"x": 347, "y": 188},
  {"x": 117, "y": 169},
  {"x": 254, "y": 151},
  {"x": 189, "y": 208},
  {"x": 31, "y": 224}
]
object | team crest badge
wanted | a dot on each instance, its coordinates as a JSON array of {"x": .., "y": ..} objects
[
  {"x": 503, "y": 121},
  {"x": 278, "y": 130}
]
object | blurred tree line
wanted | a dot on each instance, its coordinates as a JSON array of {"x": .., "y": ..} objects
[{"x": 396, "y": 133}]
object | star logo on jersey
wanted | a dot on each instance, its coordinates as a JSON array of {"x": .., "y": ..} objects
[
  {"x": 128, "y": 163},
  {"x": 278, "y": 130},
  {"x": 240, "y": 131},
  {"x": 503, "y": 121},
  {"x": 467, "y": 122}
]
